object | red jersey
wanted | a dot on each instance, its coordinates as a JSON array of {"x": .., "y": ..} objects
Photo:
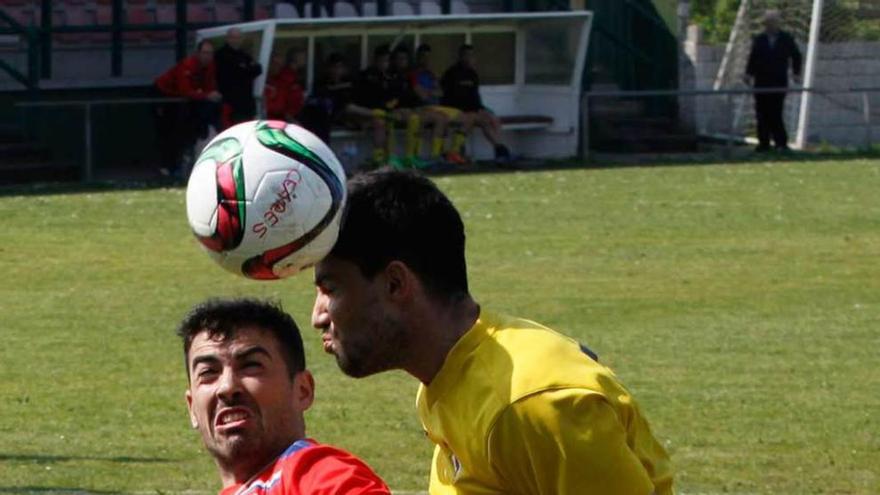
[
  {"x": 283, "y": 94},
  {"x": 309, "y": 468},
  {"x": 188, "y": 79}
]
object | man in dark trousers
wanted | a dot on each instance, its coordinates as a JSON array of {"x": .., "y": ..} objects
[
  {"x": 768, "y": 68},
  {"x": 236, "y": 71}
]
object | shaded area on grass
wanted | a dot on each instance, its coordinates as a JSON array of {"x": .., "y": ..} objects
[{"x": 49, "y": 458}]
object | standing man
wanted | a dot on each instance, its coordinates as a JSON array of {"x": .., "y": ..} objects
[
  {"x": 461, "y": 90},
  {"x": 248, "y": 389},
  {"x": 236, "y": 71},
  {"x": 511, "y": 405},
  {"x": 768, "y": 68},
  {"x": 179, "y": 125}
]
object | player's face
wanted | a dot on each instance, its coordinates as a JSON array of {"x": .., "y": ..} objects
[
  {"x": 337, "y": 70},
  {"x": 467, "y": 57},
  {"x": 357, "y": 323},
  {"x": 242, "y": 400},
  {"x": 382, "y": 62},
  {"x": 401, "y": 61},
  {"x": 206, "y": 54}
]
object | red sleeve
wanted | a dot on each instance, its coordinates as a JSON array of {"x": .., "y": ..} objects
[
  {"x": 295, "y": 99},
  {"x": 185, "y": 85},
  {"x": 324, "y": 470},
  {"x": 211, "y": 78}
]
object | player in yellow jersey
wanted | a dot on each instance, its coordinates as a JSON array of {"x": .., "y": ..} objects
[{"x": 512, "y": 406}]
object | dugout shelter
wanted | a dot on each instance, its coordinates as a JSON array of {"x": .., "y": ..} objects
[{"x": 530, "y": 64}]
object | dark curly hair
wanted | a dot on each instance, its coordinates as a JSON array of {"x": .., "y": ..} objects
[
  {"x": 224, "y": 317},
  {"x": 393, "y": 215}
]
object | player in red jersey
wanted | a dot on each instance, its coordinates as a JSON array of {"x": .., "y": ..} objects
[{"x": 248, "y": 389}]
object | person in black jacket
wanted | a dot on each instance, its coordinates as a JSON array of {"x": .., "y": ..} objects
[
  {"x": 236, "y": 71},
  {"x": 461, "y": 90},
  {"x": 768, "y": 68}
]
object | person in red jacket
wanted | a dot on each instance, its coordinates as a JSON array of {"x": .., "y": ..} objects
[
  {"x": 283, "y": 94},
  {"x": 248, "y": 389},
  {"x": 179, "y": 125}
]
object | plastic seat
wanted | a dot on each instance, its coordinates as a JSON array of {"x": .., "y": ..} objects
[
  {"x": 344, "y": 9},
  {"x": 430, "y": 8},
  {"x": 262, "y": 12},
  {"x": 227, "y": 13},
  {"x": 199, "y": 13},
  {"x": 402, "y": 8},
  {"x": 286, "y": 11},
  {"x": 26, "y": 16}
]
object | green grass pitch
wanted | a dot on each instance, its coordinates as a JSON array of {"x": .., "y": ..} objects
[{"x": 740, "y": 304}]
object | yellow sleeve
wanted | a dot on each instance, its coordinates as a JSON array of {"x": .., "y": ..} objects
[{"x": 562, "y": 442}]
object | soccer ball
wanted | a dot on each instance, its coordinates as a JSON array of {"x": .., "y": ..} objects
[{"x": 265, "y": 199}]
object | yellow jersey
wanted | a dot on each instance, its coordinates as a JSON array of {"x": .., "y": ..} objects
[{"x": 519, "y": 408}]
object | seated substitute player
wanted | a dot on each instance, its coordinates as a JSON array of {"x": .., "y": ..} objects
[
  {"x": 427, "y": 89},
  {"x": 511, "y": 405},
  {"x": 248, "y": 389},
  {"x": 375, "y": 91},
  {"x": 399, "y": 90},
  {"x": 330, "y": 102},
  {"x": 461, "y": 90},
  {"x": 283, "y": 93}
]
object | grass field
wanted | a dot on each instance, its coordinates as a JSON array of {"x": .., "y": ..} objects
[{"x": 740, "y": 303}]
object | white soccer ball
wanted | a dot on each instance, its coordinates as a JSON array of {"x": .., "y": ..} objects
[{"x": 265, "y": 199}]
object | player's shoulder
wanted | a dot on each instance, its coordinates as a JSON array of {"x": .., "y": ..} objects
[
  {"x": 531, "y": 357},
  {"x": 310, "y": 464}
]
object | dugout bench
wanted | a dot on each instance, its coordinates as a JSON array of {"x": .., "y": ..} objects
[{"x": 530, "y": 66}]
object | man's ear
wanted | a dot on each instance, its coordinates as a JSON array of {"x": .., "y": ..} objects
[
  {"x": 304, "y": 390},
  {"x": 192, "y": 417},
  {"x": 399, "y": 281}
]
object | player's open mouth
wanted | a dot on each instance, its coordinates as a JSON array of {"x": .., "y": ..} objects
[
  {"x": 231, "y": 418},
  {"x": 327, "y": 341}
]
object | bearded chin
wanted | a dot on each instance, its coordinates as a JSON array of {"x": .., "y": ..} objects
[
  {"x": 231, "y": 450},
  {"x": 382, "y": 351}
]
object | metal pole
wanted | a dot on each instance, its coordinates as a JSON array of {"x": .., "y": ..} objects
[
  {"x": 866, "y": 107},
  {"x": 116, "y": 43},
  {"x": 728, "y": 143},
  {"x": 88, "y": 170},
  {"x": 809, "y": 75},
  {"x": 46, "y": 39},
  {"x": 738, "y": 26},
  {"x": 180, "y": 30},
  {"x": 584, "y": 150}
]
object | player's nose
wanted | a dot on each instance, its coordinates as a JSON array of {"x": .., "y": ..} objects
[
  {"x": 228, "y": 386},
  {"x": 320, "y": 316}
]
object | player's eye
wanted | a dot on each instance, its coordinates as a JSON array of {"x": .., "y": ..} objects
[
  {"x": 252, "y": 365},
  {"x": 206, "y": 373}
]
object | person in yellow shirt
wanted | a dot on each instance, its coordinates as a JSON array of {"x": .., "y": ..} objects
[{"x": 512, "y": 406}]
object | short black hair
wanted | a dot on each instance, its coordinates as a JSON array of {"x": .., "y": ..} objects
[
  {"x": 424, "y": 48},
  {"x": 334, "y": 58},
  {"x": 381, "y": 51},
  {"x": 222, "y": 318},
  {"x": 465, "y": 48},
  {"x": 399, "y": 215}
]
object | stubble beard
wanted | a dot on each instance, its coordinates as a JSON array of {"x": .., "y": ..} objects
[{"x": 381, "y": 346}]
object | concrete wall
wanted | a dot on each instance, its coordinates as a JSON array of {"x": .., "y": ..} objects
[{"x": 835, "y": 118}]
